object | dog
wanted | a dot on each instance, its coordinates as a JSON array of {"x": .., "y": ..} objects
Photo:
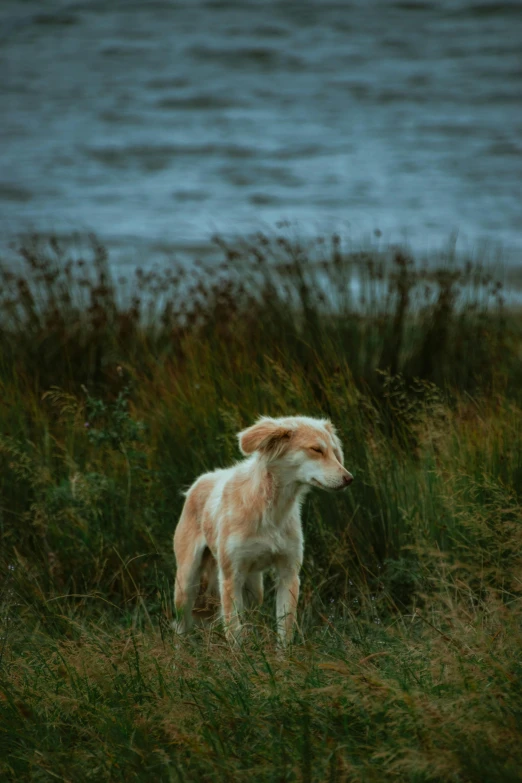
[{"x": 237, "y": 522}]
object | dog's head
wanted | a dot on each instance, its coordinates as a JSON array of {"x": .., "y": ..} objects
[{"x": 302, "y": 449}]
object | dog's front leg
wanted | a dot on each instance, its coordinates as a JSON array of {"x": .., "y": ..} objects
[
  {"x": 286, "y": 602},
  {"x": 231, "y": 590}
]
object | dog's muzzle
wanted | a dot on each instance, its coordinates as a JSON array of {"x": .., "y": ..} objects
[{"x": 347, "y": 480}]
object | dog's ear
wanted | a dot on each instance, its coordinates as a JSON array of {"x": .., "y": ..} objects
[
  {"x": 337, "y": 445},
  {"x": 268, "y": 436}
]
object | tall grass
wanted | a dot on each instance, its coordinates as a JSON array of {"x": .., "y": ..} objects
[{"x": 115, "y": 394}]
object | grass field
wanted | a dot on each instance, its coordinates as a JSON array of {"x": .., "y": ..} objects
[{"x": 115, "y": 394}]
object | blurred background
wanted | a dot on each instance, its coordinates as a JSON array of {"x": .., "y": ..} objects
[{"x": 158, "y": 124}]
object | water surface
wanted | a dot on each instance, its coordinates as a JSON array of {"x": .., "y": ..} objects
[{"x": 158, "y": 123}]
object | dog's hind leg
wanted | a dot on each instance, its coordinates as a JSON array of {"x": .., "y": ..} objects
[
  {"x": 186, "y": 588},
  {"x": 189, "y": 547},
  {"x": 207, "y": 601},
  {"x": 253, "y": 590}
]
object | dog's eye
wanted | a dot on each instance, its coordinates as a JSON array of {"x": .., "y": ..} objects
[{"x": 317, "y": 451}]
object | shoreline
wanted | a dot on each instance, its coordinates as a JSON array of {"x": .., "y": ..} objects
[{"x": 331, "y": 261}]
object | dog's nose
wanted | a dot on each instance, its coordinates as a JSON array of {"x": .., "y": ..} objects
[{"x": 347, "y": 479}]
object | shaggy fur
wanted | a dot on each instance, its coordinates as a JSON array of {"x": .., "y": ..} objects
[{"x": 240, "y": 521}]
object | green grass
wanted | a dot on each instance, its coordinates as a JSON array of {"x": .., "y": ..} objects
[{"x": 115, "y": 395}]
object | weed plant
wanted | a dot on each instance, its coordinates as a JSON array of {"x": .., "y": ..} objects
[{"x": 116, "y": 393}]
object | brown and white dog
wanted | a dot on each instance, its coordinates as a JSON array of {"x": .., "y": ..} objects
[{"x": 240, "y": 521}]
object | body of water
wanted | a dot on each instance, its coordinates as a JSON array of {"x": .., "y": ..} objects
[{"x": 158, "y": 123}]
